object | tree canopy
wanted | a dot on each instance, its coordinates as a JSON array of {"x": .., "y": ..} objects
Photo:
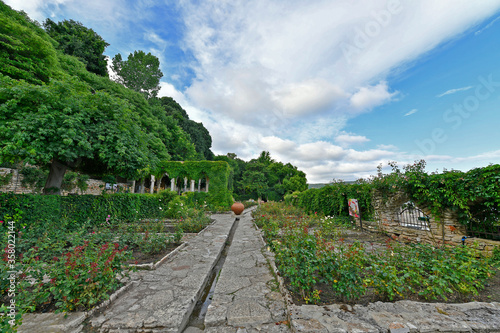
[
  {"x": 26, "y": 52},
  {"x": 263, "y": 177},
  {"x": 198, "y": 134},
  {"x": 79, "y": 41},
  {"x": 140, "y": 72}
]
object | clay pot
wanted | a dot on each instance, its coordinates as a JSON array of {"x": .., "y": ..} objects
[{"x": 237, "y": 208}]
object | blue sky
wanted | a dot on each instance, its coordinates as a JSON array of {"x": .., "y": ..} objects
[{"x": 335, "y": 87}]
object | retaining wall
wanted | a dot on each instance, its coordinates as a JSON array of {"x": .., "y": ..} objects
[
  {"x": 95, "y": 186},
  {"x": 447, "y": 229}
]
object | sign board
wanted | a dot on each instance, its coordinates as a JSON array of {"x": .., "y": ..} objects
[{"x": 353, "y": 207}]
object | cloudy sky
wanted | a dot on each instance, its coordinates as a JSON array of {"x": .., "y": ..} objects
[{"x": 335, "y": 87}]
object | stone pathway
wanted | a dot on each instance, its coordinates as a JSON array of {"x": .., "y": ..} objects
[
  {"x": 398, "y": 317},
  {"x": 247, "y": 296}
]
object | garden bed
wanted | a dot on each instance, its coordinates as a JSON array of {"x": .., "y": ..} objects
[
  {"x": 325, "y": 260},
  {"x": 374, "y": 241},
  {"x": 75, "y": 267}
]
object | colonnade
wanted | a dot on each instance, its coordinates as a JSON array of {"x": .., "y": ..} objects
[{"x": 173, "y": 184}]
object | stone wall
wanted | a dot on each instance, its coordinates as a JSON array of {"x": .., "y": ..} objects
[
  {"x": 95, "y": 186},
  {"x": 15, "y": 182},
  {"x": 447, "y": 230}
]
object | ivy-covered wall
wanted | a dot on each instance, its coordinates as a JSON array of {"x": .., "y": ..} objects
[{"x": 217, "y": 172}]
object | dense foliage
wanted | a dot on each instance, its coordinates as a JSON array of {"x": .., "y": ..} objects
[
  {"x": 217, "y": 173},
  {"x": 78, "y": 210},
  {"x": 313, "y": 257},
  {"x": 198, "y": 134},
  {"x": 263, "y": 177},
  {"x": 26, "y": 51},
  {"x": 79, "y": 41},
  {"x": 71, "y": 260},
  {"x": 331, "y": 200}
]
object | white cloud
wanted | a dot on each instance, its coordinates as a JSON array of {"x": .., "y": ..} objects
[
  {"x": 371, "y": 96},
  {"x": 307, "y": 97},
  {"x": 347, "y": 139},
  {"x": 453, "y": 91},
  {"x": 409, "y": 113},
  {"x": 35, "y": 8},
  {"x": 387, "y": 147},
  {"x": 167, "y": 89}
]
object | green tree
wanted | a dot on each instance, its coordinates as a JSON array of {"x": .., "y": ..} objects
[
  {"x": 26, "y": 51},
  {"x": 75, "y": 39},
  {"x": 140, "y": 72},
  {"x": 62, "y": 123},
  {"x": 265, "y": 178}
]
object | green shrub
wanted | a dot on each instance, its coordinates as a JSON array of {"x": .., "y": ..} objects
[{"x": 79, "y": 209}]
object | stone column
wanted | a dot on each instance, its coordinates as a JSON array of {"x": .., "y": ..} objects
[
  {"x": 141, "y": 190},
  {"x": 185, "y": 184},
  {"x": 152, "y": 187},
  {"x": 133, "y": 187},
  {"x": 208, "y": 182},
  {"x": 199, "y": 185},
  {"x": 158, "y": 183},
  {"x": 172, "y": 184},
  {"x": 192, "y": 186}
]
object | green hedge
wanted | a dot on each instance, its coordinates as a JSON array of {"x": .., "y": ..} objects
[{"x": 79, "y": 209}]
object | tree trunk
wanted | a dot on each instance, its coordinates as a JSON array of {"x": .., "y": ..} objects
[{"x": 55, "y": 178}]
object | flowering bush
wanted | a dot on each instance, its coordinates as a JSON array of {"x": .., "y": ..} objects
[{"x": 80, "y": 278}]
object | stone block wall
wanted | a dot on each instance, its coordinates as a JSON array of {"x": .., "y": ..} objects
[
  {"x": 95, "y": 186},
  {"x": 447, "y": 230},
  {"x": 15, "y": 182}
]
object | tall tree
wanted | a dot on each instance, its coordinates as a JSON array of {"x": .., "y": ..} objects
[
  {"x": 75, "y": 39},
  {"x": 140, "y": 72},
  {"x": 62, "y": 123}
]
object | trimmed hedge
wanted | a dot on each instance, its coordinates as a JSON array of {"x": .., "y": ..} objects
[{"x": 79, "y": 209}]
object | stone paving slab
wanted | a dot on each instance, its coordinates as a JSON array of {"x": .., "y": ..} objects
[
  {"x": 246, "y": 297},
  {"x": 52, "y": 322},
  {"x": 397, "y": 317},
  {"x": 165, "y": 297}
]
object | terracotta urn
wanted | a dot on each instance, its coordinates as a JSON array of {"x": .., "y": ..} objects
[{"x": 237, "y": 208}]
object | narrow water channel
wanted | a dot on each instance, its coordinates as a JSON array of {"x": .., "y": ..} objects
[{"x": 197, "y": 318}]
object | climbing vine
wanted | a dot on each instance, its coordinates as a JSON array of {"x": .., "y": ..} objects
[
  {"x": 217, "y": 172},
  {"x": 474, "y": 196},
  {"x": 5, "y": 179}
]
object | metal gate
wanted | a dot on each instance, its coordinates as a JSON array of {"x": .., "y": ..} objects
[{"x": 410, "y": 216}]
